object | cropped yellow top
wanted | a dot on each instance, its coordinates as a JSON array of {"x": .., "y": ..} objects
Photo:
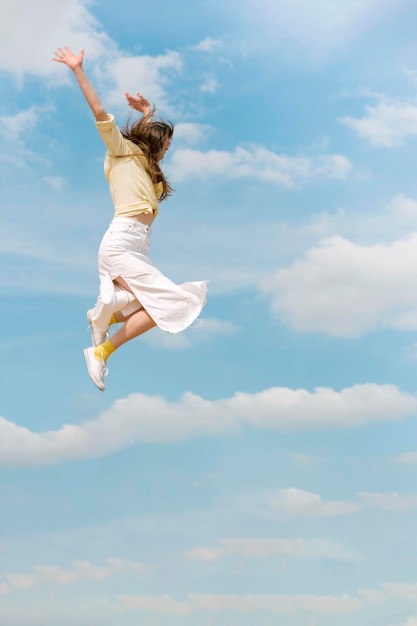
[{"x": 131, "y": 187}]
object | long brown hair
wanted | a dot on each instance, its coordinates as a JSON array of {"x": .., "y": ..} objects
[{"x": 150, "y": 136}]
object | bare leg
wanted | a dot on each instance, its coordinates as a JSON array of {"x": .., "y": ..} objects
[
  {"x": 119, "y": 280},
  {"x": 137, "y": 324},
  {"x": 121, "y": 318}
]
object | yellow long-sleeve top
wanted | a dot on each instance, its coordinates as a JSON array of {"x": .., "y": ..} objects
[{"x": 131, "y": 188}]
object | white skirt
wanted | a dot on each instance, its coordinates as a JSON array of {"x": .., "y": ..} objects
[{"x": 123, "y": 252}]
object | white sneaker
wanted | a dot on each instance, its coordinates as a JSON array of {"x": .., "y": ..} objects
[
  {"x": 96, "y": 368},
  {"x": 98, "y": 336}
]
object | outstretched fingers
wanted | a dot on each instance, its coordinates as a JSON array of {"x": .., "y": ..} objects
[
  {"x": 65, "y": 55},
  {"x": 138, "y": 102},
  {"x": 60, "y": 54}
]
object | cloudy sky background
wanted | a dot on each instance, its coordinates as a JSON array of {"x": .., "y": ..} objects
[{"x": 259, "y": 468}]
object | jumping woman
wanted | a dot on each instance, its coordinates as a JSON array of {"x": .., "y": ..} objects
[{"x": 132, "y": 290}]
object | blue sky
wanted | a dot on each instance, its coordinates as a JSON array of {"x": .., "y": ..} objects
[{"x": 260, "y": 468}]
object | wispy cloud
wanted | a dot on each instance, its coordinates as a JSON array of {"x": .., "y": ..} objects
[
  {"x": 16, "y": 131},
  {"x": 307, "y": 460},
  {"x": 298, "y": 502},
  {"x": 209, "y": 85},
  {"x": 80, "y": 570},
  {"x": 406, "y": 458},
  {"x": 255, "y": 162},
  {"x": 268, "y": 548},
  {"x": 242, "y": 604},
  {"x": 389, "y": 501},
  {"x": 208, "y": 45},
  {"x": 165, "y": 604},
  {"x": 202, "y": 330},
  {"x": 55, "y": 182},
  {"x": 189, "y": 133},
  {"x": 313, "y": 32},
  {"x": 388, "y": 124},
  {"x": 404, "y": 207}
]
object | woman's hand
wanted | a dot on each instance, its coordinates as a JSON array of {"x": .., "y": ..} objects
[
  {"x": 139, "y": 103},
  {"x": 64, "y": 55}
]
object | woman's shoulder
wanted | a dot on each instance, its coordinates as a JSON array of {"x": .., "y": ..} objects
[{"x": 117, "y": 143}]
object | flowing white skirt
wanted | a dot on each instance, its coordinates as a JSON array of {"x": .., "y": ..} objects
[{"x": 123, "y": 252}]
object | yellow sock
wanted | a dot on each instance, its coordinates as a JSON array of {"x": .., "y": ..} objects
[
  {"x": 113, "y": 320},
  {"x": 104, "y": 350}
]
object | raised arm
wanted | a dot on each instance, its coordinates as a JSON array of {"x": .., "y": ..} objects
[{"x": 75, "y": 63}]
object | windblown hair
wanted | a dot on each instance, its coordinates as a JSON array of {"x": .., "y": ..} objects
[{"x": 150, "y": 135}]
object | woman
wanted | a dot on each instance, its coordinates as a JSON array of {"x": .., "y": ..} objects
[{"x": 132, "y": 290}]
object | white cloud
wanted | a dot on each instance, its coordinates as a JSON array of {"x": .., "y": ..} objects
[
  {"x": 406, "y": 458},
  {"x": 15, "y": 126},
  {"x": 389, "y": 501},
  {"x": 22, "y": 581},
  {"x": 210, "y": 85},
  {"x": 87, "y": 570},
  {"x": 276, "y": 604},
  {"x": 15, "y": 131},
  {"x": 402, "y": 206},
  {"x": 371, "y": 596},
  {"x": 55, "y": 182},
  {"x": 27, "y": 41},
  {"x": 205, "y": 553},
  {"x": 190, "y": 133},
  {"x": 25, "y": 25},
  {"x": 403, "y": 591},
  {"x": 303, "y": 459},
  {"x": 145, "y": 74},
  {"x": 4, "y": 590},
  {"x": 280, "y": 605},
  {"x": 258, "y": 163},
  {"x": 268, "y": 548},
  {"x": 55, "y": 574},
  {"x": 344, "y": 289},
  {"x": 297, "y": 502},
  {"x": 121, "y": 565},
  {"x": 411, "y": 75},
  {"x": 52, "y": 608},
  {"x": 81, "y": 570},
  {"x": 208, "y": 45},
  {"x": 155, "y": 604},
  {"x": 141, "y": 418},
  {"x": 388, "y": 124},
  {"x": 355, "y": 405}
]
